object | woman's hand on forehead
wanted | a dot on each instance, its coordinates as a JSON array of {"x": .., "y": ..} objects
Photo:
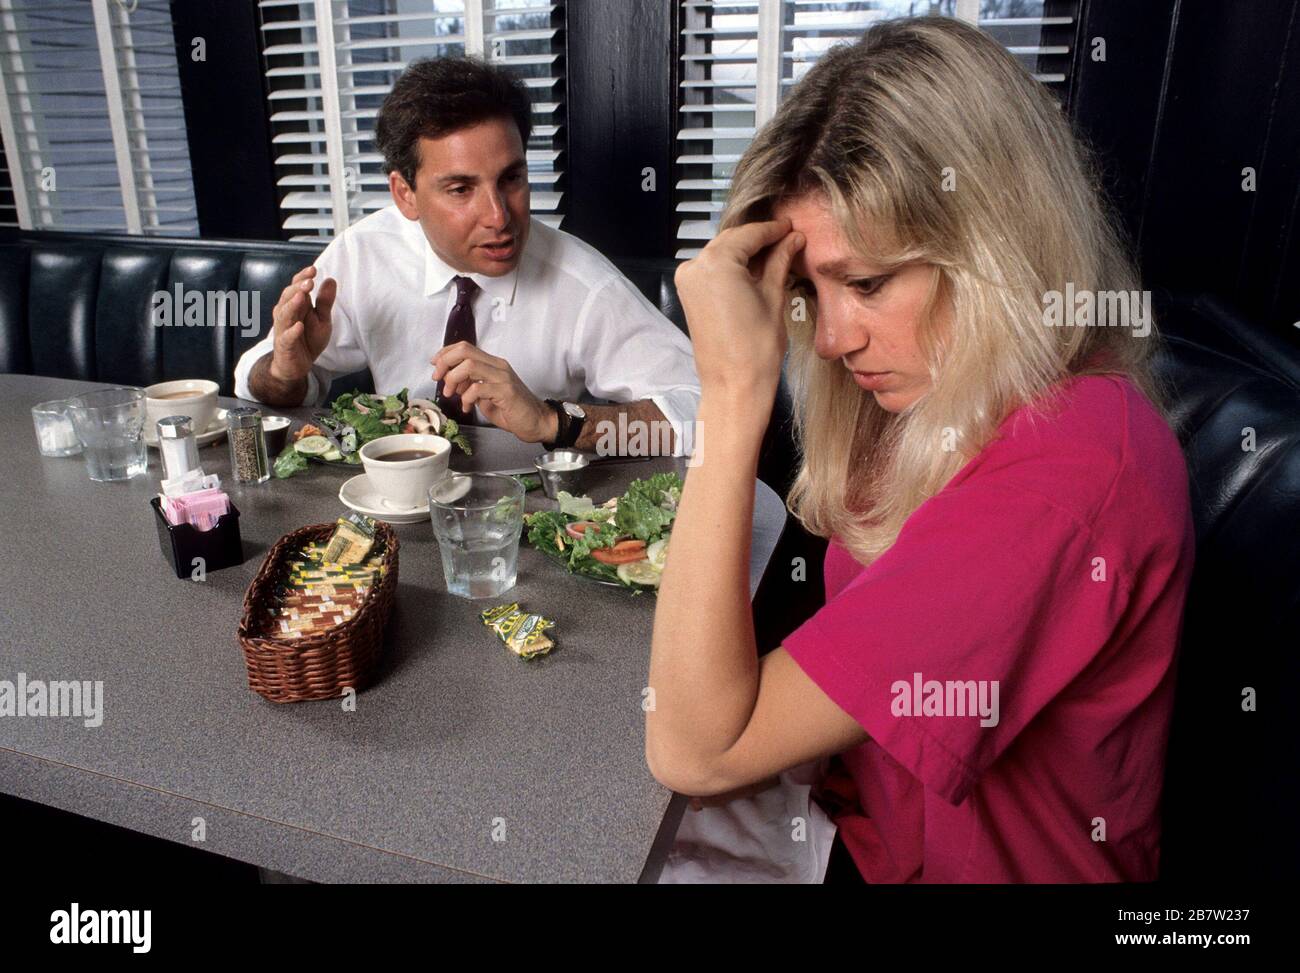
[{"x": 734, "y": 297}]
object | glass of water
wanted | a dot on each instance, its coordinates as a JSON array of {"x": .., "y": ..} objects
[
  {"x": 477, "y": 519},
  {"x": 110, "y": 424}
]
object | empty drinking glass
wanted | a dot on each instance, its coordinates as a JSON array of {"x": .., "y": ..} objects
[
  {"x": 110, "y": 424},
  {"x": 477, "y": 519},
  {"x": 54, "y": 431}
]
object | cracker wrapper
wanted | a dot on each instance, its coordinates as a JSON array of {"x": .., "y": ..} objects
[
  {"x": 352, "y": 540},
  {"x": 523, "y": 634}
]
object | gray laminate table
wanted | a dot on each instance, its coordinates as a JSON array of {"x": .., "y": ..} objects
[{"x": 458, "y": 742}]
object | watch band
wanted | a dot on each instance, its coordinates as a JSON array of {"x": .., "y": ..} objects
[{"x": 563, "y": 426}]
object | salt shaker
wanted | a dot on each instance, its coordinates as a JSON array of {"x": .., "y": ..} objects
[
  {"x": 180, "y": 453},
  {"x": 248, "y": 462}
]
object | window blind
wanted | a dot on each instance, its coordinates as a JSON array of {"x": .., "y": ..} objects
[
  {"x": 91, "y": 117},
  {"x": 329, "y": 64},
  {"x": 740, "y": 58}
]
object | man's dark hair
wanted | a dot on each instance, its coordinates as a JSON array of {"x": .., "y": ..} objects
[{"x": 437, "y": 96}]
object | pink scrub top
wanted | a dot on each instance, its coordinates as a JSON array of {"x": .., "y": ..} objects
[{"x": 1012, "y": 655}]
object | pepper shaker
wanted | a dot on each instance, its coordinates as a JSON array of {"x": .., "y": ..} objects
[{"x": 248, "y": 461}]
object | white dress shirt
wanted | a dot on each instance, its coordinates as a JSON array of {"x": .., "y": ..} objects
[{"x": 565, "y": 319}]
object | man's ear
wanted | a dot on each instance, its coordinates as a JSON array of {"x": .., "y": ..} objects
[{"x": 403, "y": 195}]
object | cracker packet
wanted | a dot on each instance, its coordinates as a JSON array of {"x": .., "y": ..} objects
[{"x": 523, "y": 634}]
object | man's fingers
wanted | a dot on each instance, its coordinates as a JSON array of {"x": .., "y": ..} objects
[
  {"x": 480, "y": 390},
  {"x": 292, "y": 294},
  {"x": 288, "y": 311},
  {"x": 290, "y": 336},
  {"x": 456, "y": 376},
  {"x": 469, "y": 370},
  {"x": 288, "y": 292},
  {"x": 447, "y": 361},
  {"x": 329, "y": 290},
  {"x": 287, "y": 295},
  {"x": 449, "y": 356}
]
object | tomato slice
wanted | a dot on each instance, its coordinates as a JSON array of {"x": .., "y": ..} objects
[
  {"x": 579, "y": 527},
  {"x": 624, "y": 552}
]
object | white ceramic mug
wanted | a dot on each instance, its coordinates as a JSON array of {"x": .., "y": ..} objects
[
  {"x": 404, "y": 484},
  {"x": 199, "y": 403}
]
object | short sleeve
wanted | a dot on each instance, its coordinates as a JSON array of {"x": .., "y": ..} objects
[
  {"x": 991, "y": 601},
  {"x": 628, "y": 351}
]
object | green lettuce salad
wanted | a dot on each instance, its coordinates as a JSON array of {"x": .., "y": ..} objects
[
  {"x": 624, "y": 541},
  {"x": 357, "y": 418}
]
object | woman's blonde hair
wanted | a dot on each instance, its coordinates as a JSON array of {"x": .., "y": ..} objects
[{"x": 931, "y": 144}]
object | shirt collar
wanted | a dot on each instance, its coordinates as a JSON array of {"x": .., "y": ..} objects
[{"x": 438, "y": 274}]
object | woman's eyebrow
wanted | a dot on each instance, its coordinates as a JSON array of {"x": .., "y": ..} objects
[{"x": 840, "y": 268}]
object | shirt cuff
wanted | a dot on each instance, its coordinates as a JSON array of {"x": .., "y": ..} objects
[
  {"x": 244, "y": 369},
  {"x": 315, "y": 390},
  {"x": 679, "y": 408},
  {"x": 244, "y": 390}
]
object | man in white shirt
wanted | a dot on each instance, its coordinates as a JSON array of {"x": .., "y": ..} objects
[{"x": 457, "y": 294}]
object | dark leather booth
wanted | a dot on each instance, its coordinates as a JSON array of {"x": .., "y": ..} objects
[{"x": 78, "y": 306}]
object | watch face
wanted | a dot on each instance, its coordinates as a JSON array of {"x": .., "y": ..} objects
[{"x": 574, "y": 410}]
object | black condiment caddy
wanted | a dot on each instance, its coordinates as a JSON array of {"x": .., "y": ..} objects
[{"x": 220, "y": 547}]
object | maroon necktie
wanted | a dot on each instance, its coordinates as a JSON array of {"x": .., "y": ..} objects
[{"x": 460, "y": 327}]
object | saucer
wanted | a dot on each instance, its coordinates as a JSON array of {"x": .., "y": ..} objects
[
  {"x": 215, "y": 431},
  {"x": 357, "y": 494}
]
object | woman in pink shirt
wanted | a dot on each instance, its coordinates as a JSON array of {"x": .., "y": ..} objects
[{"x": 993, "y": 669}]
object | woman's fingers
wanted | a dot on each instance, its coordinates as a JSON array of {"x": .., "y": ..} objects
[
  {"x": 776, "y": 267},
  {"x": 743, "y": 243}
]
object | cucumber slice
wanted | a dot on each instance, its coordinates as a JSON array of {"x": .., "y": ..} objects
[
  {"x": 639, "y": 572},
  {"x": 657, "y": 552},
  {"x": 333, "y": 455},
  {"x": 313, "y": 446}
]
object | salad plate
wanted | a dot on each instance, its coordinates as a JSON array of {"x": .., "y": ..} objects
[
  {"x": 623, "y": 542},
  {"x": 335, "y": 437}
]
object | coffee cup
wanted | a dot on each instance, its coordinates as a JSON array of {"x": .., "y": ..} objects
[
  {"x": 401, "y": 468},
  {"x": 193, "y": 397}
]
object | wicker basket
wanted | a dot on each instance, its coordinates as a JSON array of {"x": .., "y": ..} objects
[{"x": 322, "y": 665}]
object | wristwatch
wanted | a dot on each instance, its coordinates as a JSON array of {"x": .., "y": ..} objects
[{"x": 569, "y": 421}]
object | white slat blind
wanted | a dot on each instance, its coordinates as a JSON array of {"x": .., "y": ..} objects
[
  {"x": 329, "y": 64},
  {"x": 91, "y": 117},
  {"x": 740, "y": 57}
]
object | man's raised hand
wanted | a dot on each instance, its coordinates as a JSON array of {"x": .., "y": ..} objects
[{"x": 302, "y": 330}]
